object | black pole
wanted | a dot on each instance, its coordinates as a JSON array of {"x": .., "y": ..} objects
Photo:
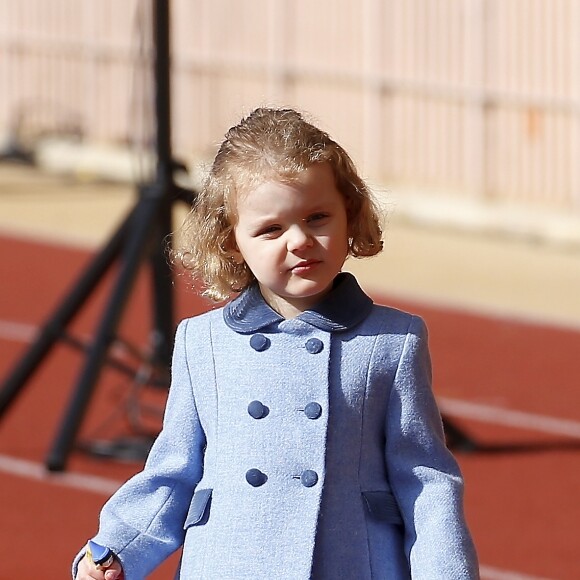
[
  {"x": 162, "y": 79},
  {"x": 163, "y": 311},
  {"x": 150, "y": 224}
]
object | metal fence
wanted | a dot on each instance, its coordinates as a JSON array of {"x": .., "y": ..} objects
[{"x": 479, "y": 99}]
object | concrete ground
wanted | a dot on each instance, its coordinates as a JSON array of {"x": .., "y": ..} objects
[{"x": 508, "y": 276}]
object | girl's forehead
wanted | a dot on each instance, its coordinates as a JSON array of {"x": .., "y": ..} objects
[
  {"x": 250, "y": 180},
  {"x": 315, "y": 184},
  {"x": 246, "y": 188}
]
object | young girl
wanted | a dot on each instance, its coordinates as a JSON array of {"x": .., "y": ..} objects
[{"x": 301, "y": 437}]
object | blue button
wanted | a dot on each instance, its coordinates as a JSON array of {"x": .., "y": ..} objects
[
  {"x": 256, "y": 478},
  {"x": 258, "y": 410},
  {"x": 259, "y": 342},
  {"x": 314, "y": 346},
  {"x": 309, "y": 478},
  {"x": 313, "y": 410}
]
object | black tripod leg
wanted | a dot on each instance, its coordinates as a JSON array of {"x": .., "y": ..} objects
[
  {"x": 54, "y": 327},
  {"x": 163, "y": 301},
  {"x": 457, "y": 438},
  {"x": 187, "y": 196},
  {"x": 135, "y": 247}
]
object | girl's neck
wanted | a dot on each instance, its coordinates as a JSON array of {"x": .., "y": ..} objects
[
  {"x": 290, "y": 307},
  {"x": 283, "y": 307}
]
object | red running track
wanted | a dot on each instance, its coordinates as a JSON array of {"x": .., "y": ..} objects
[{"x": 512, "y": 386}]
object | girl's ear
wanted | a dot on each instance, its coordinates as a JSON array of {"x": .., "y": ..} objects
[
  {"x": 233, "y": 252},
  {"x": 236, "y": 256}
]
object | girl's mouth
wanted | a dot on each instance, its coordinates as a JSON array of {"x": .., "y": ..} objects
[{"x": 304, "y": 266}]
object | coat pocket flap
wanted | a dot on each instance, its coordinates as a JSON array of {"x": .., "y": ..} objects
[
  {"x": 383, "y": 506},
  {"x": 199, "y": 508}
]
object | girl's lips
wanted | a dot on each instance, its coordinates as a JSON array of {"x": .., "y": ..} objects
[{"x": 304, "y": 266}]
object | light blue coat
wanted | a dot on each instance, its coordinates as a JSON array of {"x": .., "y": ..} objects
[{"x": 297, "y": 449}]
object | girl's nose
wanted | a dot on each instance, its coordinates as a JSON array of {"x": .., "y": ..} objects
[{"x": 298, "y": 239}]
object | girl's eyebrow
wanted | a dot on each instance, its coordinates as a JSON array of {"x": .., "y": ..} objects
[{"x": 264, "y": 218}]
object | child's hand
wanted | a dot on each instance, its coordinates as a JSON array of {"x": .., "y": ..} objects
[{"x": 88, "y": 571}]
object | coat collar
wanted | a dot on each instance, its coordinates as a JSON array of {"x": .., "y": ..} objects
[{"x": 344, "y": 307}]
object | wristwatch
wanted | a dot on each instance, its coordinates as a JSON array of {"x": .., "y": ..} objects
[{"x": 101, "y": 556}]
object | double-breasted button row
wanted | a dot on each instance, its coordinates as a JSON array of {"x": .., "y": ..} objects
[
  {"x": 256, "y": 478},
  {"x": 260, "y": 343},
  {"x": 258, "y": 410}
]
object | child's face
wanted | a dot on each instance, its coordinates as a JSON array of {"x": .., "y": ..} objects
[{"x": 293, "y": 237}]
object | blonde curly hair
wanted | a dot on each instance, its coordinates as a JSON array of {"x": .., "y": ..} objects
[{"x": 268, "y": 144}]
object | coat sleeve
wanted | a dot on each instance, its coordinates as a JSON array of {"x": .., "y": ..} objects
[
  {"x": 143, "y": 522},
  {"x": 424, "y": 474}
]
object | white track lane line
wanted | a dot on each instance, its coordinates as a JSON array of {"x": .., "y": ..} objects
[
  {"x": 17, "y": 331},
  {"x": 509, "y": 417},
  {"x": 38, "y": 472},
  {"x": 490, "y": 573}
]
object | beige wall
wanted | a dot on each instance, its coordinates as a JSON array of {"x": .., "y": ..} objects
[{"x": 473, "y": 99}]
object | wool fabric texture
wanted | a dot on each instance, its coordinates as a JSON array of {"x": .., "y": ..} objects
[{"x": 313, "y": 451}]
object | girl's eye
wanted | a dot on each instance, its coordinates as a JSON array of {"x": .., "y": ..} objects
[
  {"x": 318, "y": 217},
  {"x": 269, "y": 231}
]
